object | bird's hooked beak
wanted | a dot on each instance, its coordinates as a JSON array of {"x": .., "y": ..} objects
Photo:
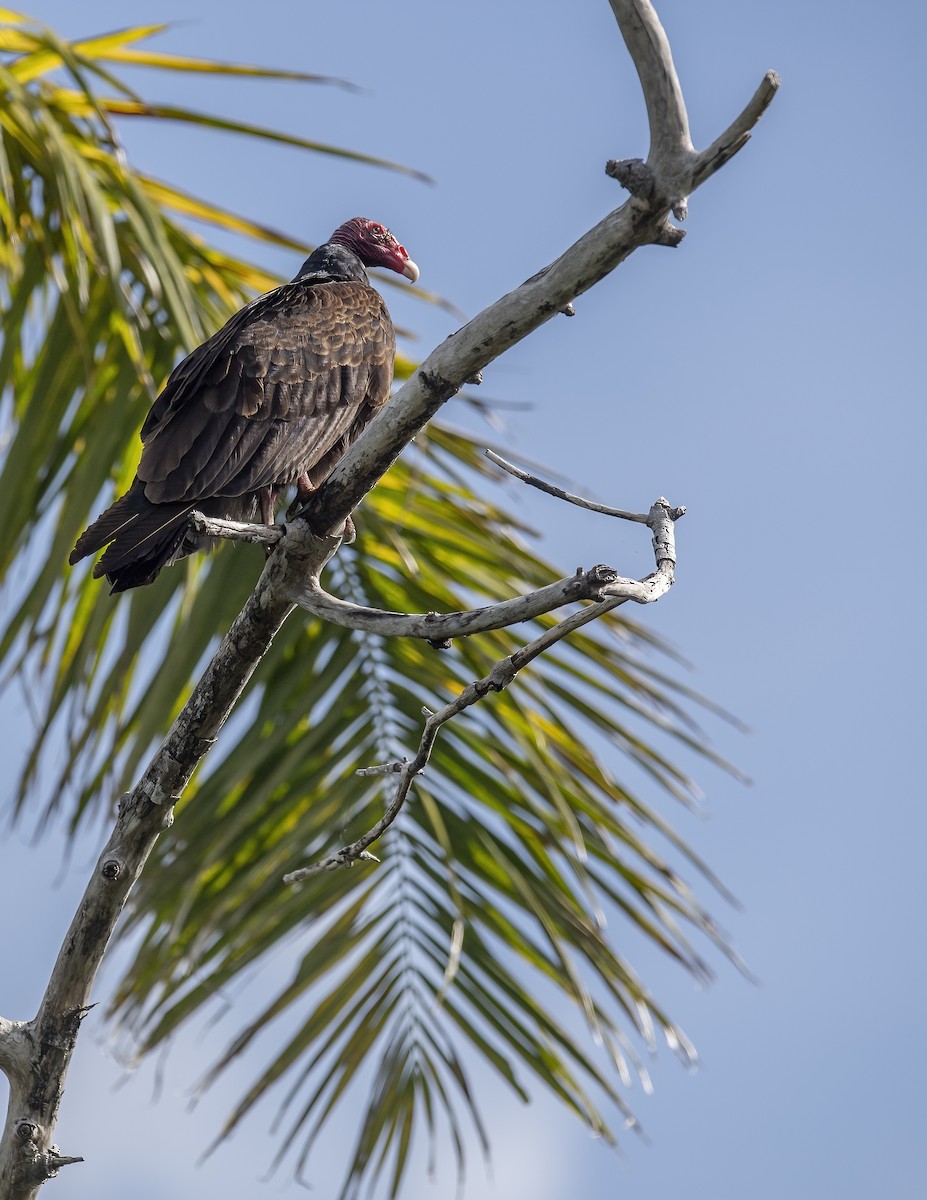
[{"x": 401, "y": 262}]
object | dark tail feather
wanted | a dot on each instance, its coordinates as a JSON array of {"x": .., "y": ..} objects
[{"x": 140, "y": 537}]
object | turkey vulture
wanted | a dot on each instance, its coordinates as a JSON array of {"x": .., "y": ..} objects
[{"x": 274, "y": 398}]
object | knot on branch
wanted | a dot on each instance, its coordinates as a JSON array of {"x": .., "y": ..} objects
[
  {"x": 661, "y": 507},
  {"x": 639, "y": 179},
  {"x": 37, "y": 1165},
  {"x": 601, "y": 576},
  {"x": 436, "y": 643},
  {"x": 27, "y": 1131},
  {"x": 634, "y": 176},
  {"x": 669, "y": 235},
  {"x": 112, "y": 868}
]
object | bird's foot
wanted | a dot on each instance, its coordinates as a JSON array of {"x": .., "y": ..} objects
[{"x": 304, "y": 492}]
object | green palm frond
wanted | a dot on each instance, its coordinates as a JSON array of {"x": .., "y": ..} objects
[
  {"x": 518, "y": 843},
  {"x": 485, "y": 922}
]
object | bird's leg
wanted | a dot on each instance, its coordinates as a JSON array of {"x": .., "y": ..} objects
[
  {"x": 267, "y": 501},
  {"x": 304, "y": 490}
]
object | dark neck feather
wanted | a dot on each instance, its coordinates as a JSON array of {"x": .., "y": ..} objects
[{"x": 331, "y": 263}]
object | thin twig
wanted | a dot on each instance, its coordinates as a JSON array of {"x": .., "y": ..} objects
[
  {"x": 552, "y": 489},
  {"x": 498, "y": 678}
]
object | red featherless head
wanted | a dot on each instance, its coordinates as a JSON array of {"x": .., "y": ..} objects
[{"x": 375, "y": 246}]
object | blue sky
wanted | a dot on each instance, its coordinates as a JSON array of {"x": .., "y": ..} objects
[{"x": 766, "y": 374}]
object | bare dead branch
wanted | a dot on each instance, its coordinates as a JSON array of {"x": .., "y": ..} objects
[
  {"x": 498, "y": 678},
  {"x": 552, "y": 490},
  {"x": 661, "y": 520},
  {"x": 674, "y": 168},
  {"x": 594, "y": 584},
  {"x": 235, "y": 531},
  {"x": 650, "y": 52},
  {"x": 737, "y": 134},
  {"x": 438, "y": 627}
]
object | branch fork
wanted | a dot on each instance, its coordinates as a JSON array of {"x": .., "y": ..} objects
[
  {"x": 612, "y": 589},
  {"x": 674, "y": 168}
]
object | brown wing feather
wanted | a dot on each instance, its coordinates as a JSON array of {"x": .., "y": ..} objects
[
  {"x": 281, "y": 390},
  {"x": 291, "y": 378}
]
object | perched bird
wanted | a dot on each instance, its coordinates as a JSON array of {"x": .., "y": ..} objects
[{"x": 274, "y": 398}]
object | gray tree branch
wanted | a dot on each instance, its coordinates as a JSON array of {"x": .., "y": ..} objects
[{"x": 440, "y": 627}]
